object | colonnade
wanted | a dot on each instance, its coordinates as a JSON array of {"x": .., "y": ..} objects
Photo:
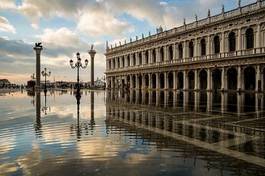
[{"x": 237, "y": 78}]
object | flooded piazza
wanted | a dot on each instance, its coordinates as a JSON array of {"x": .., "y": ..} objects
[{"x": 132, "y": 133}]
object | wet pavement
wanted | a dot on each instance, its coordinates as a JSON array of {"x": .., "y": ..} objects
[{"x": 132, "y": 133}]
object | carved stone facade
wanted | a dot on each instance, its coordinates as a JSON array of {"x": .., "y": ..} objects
[{"x": 221, "y": 52}]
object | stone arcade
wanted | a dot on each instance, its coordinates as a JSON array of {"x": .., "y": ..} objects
[{"x": 221, "y": 52}]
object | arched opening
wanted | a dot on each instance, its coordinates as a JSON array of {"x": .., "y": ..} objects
[
  {"x": 250, "y": 78},
  {"x": 134, "y": 59},
  {"x": 170, "y": 53},
  {"x": 191, "y": 80},
  {"x": 154, "y": 55},
  {"x": 140, "y": 81},
  {"x": 134, "y": 81},
  {"x": 216, "y": 44},
  {"x": 162, "y": 80},
  {"x": 146, "y": 80},
  {"x": 128, "y": 61},
  {"x": 232, "y": 41},
  {"x": 122, "y": 60},
  {"x": 180, "y": 49},
  {"x": 203, "y": 80},
  {"x": 249, "y": 38},
  {"x": 216, "y": 79},
  {"x": 180, "y": 80},
  {"x": 191, "y": 49},
  {"x": 203, "y": 47},
  {"x": 162, "y": 54},
  {"x": 232, "y": 79},
  {"x": 153, "y": 81},
  {"x": 170, "y": 80},
  {"x": 140, "y": 59},
  {"x": 146, "y": 57}
]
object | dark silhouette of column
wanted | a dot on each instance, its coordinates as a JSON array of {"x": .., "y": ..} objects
[
  {"x": 38, "y": 49},
  {"x": 38, "y": 114},
  {"x": 92, "y": 121},
  {"x": 92, "y": 54}
]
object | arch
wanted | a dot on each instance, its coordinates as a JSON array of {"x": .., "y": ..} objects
[
  {"x": 250, "y": 78},
  {"x": 162, "y": 80},
  {"x": 191, "y": 49},
  {"x": 170, "y": 80},
  {"x": 146, "y": 81},
  {"x": 134, "y": 59},
  {"x": 180, "y": 80},
  {"x": 203, "y": 79},
  {"x": 146, "y": 57},
  {"x": 216, "y": 44},
  {"x": 128, "y": 61},
  {"x": 232, "y": 41},
  {"x": 153, "y": 81},
  {"x": 154, "y": 55},
  {"x": 216, "y": 79},
  {"x": 162, "y": 54},
  {"x": 203, "y": 47},
  {"x": 180, "y": 49},
  {"x": 232, "y": 79},
  {"x": 249, "y": 38},
  {"x": 140, "y": 58},
  {"x": 170, "y": 53},
  {"x": 191, "y": 78}
]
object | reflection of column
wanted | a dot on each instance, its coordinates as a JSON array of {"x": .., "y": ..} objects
[
  {"x": 150, "y": 97},
  {"x": 196, "y": 101},
  {"x": 150, "y": 81},
  {"x": 38, "y": 114},
  {"x": 186, "y": 80},
  {"x": 157, "y": 81},
  {"x": 166, "y": 98},
  {"x": 209, "y": 101},
  {"x": 239, "y": 79},
  {"x": 239, "y": 103},
  {"x": 209, "y": 79},
  {"x": 185, "y": 100},
  {"x": 157, "y": 98},
  {"x": 92, "y": 121},
  {"x": 257, "y": 104},
  {"x": 174, "y": 99},
  {"x": 196, "y": 78},
  {"x": 224, "y": 79},
  {"x": 166, "y": 80},
  {"x": 223, "y": 102},
  {"x": 174, "y": 80}
]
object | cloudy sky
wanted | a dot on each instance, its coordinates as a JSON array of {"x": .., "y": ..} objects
[{"x": 68, "y": 26}]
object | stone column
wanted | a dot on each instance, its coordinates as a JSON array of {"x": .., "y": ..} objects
[
  {"x": 157, "y": 81},
  {"x": 157, "y": 55},
  {"x": 224, "y": 80},
  {"x": 196, "y": 80},
  {"x": 92, "y": 54},
  {"x": 174, "y": 51},
  {"x": 38, "y": 49},
  {"x": 185, "y": 80},
  {"x": 222, "y": 42},
  {"x": 209, "y": 101},
  {"x": 223, "y": 102},
  {"x": 131, "y": 60},
  {"x": 239, "y": 42},
  {"x": 209, "y": 79},
  {"x": 150, "y": 81},
  {"x": 131, "y": 81},
  {"x": 258, "y": 79},
  {"x": 258, "y": 37},
  {"x": 166, "y": 53},
  {"x": 166, "y": 80},
  {"x": 174, "y": 80},
  {"x": 196, "y": 48},
  {"x": 208, "y": 46},
  {"x": 185, "y": 50},
  {"x": 239, "y": 79},
  {"x": 149, "y": 56}
]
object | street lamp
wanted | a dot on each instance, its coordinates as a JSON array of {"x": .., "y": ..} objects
[
  {"x": 45, "y": 74},
  {"x": 78, "y": 65}
]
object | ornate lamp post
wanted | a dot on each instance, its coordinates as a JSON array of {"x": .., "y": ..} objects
[
  {"x": 78, "y": 65},
  {"x": 45, "y": 74}
]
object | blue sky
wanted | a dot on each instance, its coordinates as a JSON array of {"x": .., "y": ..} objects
[{"x": 66, "y": 27}]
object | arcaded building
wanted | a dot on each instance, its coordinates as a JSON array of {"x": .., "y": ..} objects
[{"x": 221, "y": 52}]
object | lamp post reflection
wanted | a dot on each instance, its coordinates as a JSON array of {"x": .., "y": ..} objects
[
  {"x": 38, "y": 125},
  {"x": 45, "y": 107}
]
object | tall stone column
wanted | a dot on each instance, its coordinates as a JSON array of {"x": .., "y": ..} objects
[
  {"x": 185, "y": 50},
  {"x": 196, "y": 80},
  {"x": 92, "y": 54},
  {"x": 209, "y": 101},
  {"x": 174, "y": 80},
  {"x": 224, "y": 80},
  {"x": 222, "y": 42},
  {"x": 209, "y": 79},
  {"x": 185, "y": 80},
  {"x": 38, "y": 49},
  {"x": 166, "y": 80},
  {"x": 239, "y": 41},
  {"x": 174, "y": 51},
  {"x": 239, "y": 79},
  {"x": 258, "y": 79},
  {"x": 208, "y": 46},
  {"x": 258, "y": 37},
  {"x": 150, "y": 81},
  {"x": 157, "y": 81}
]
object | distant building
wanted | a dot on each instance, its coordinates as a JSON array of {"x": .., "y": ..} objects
[{"x": 4, "y": 83}]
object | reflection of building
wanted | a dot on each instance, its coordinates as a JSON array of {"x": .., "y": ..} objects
[
  {"x": 202, "y": 123},
  {"x": 225, "y": 52}
]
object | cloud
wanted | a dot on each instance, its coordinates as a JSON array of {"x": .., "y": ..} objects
[
  {"x": 6, "y": 26},
  {"x": 7, "y": 4}
]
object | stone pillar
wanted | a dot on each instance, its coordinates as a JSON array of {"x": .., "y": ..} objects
[
  {"x": 224, "y": 79},
  {"x": 150, "y": 81},
  {"x": 157, "y": 55},
  {"x": 196, "y": 80},
  {"x": 223, "y": 102},
  {"x": 149, "y": 56},
  {"x": 157, "y": 81},
  {"x": 92, "y": 54},
  {"x": 258, "y": 79},
  {"x": 209, "y": 79},
  {"x": 209, "y": 101},
  {"x": 222, "y": 42},
  {"x": 239, "y": 79},
  {"x": 174, "y": 51},
  {"x": 258, "y": 37},
  {"x": 38, "y": 49},
  {"x": 174, "y": 80},
  {"x": 166, "y": 80},
  {"x": 185, "y": 50},
  {"x": 131, "y": 81},
  {"x": 196, "y": 48},
  {"x": 239, "y": 41},
  {"x": 185, "y": 80},
  {"x": 166, "y": 53},
  {"x": 208, "y": 46}
]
